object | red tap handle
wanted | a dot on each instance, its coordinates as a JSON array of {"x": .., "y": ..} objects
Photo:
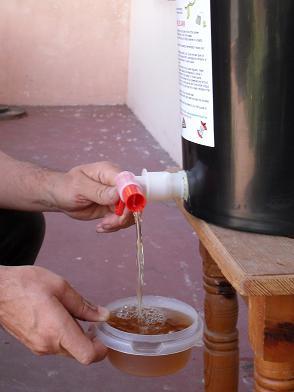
[
  {"x": 130, "y": 193},
  {"x": 119, "y": 207},
  {"x": 134, "y": 198}
]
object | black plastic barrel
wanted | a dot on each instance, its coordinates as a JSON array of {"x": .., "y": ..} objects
[{"x": 246, "y": 181}]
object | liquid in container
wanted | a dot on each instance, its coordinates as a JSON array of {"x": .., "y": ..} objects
[{"x": 156, "y": 354}]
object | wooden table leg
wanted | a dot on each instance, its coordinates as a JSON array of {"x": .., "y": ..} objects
[
  {"x": 221, "y": 355},
  {"x": 271, "y": 331}
]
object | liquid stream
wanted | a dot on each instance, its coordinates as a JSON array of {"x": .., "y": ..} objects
[
  {"x": 140, "y": 261},
  {"x": 141, "y": 319}
]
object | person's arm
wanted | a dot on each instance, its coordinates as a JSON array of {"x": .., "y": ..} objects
[
  {"x": 25, "y": 186},
  {"x": 84, "y": 192},
  {"x": 38, "y": 307}
]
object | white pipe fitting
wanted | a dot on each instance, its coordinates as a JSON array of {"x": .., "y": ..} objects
[{"x": 159, "y": 186}]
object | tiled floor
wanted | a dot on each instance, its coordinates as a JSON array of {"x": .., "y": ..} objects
[{"x": 102, "y": 267}]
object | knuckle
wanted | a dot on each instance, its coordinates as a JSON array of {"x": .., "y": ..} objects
[
  {"x": 35, "y": 271},
  {"x": 38, "y": 352},
  {"x": 61, "y": 285},
  {"x": 104, "y": 163},
  {"x": 114, "y": 166},
  {"x": 86, "y": 359},
  {"x": 37, "y": 268},
  {"x": 82, "y": 307},
  {"x": 100, "y": 192},
  {"x": 108, "y": 165},
  {"x": 34, "y": 274},
  {"x": 41, "y": 350}
]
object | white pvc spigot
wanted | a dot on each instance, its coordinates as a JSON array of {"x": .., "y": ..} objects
[{"x": 160, "y": 186}]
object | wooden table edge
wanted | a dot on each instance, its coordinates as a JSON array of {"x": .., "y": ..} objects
[{"x": 244, "y": 284}]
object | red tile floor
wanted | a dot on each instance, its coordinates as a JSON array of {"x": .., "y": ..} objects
[{"x": 102, "y": 267}]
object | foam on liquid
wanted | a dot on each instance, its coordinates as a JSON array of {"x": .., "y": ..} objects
[{"x": 149, "y": 321}]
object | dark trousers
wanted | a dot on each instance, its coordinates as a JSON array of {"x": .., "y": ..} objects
[{"x": 21, "y": 236}]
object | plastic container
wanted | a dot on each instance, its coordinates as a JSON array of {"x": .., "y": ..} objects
[{"x": 151, "y": 355}]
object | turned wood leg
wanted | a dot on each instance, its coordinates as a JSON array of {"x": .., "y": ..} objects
[
  {"x": 221, "y": 356},
  {"x": 271, "y": 331}
]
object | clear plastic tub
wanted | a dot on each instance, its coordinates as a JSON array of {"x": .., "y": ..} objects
[{"x": 152, "y": 355}]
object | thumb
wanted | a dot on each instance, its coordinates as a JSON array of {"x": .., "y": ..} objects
[
  {"x": 101, "y": 194},
  {"x": 81, "y": 308}
]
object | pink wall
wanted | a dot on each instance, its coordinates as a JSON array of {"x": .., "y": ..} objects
[{"x": 55, "y": 52}]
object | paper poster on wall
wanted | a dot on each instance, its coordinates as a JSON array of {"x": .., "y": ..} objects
[{"x": 195, "y": 70}]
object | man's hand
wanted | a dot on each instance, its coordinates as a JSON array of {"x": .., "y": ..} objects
[
  {"x": 88, "y": 192},
  {"x": 39, "y": 308},
  {"x": 85, "y": 192}
]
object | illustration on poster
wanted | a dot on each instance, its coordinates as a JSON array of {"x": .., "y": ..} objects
[
  {"x": 203, "y": 127},
  {"x": 188, "y": 8}
]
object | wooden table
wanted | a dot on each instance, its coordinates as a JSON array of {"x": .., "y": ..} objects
[{"x": 260, "y": 268}]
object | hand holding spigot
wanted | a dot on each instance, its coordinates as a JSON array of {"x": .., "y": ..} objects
[
  {"x": 134, "y": 190},
  {"x": 130, "y": 193}
]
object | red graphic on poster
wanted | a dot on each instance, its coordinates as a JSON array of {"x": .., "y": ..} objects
[{"x": 203, "y": 127}]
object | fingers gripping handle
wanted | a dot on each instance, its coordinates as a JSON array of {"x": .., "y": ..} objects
[{"x": 130, "y": 193}]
